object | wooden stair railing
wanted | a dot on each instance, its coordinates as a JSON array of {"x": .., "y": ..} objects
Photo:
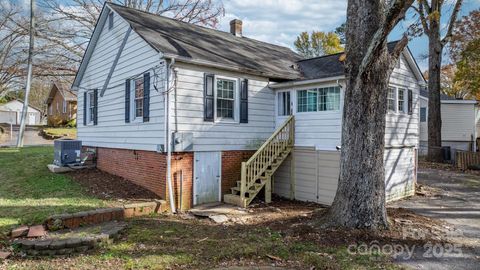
[{"x": 257, "y": 172}]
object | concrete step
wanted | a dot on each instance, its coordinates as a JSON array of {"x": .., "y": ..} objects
[{"x": 235, "y": 200}]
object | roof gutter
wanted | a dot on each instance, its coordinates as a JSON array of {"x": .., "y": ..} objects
[{"x": 304, "y": 82}]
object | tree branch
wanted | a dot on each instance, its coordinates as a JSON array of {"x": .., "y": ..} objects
[
  {"x": 394, "y": 15},
  {"x": 397, "y": 50},
  {"x": 453, "y": 19},
  {"x": 421, "y": 12}
]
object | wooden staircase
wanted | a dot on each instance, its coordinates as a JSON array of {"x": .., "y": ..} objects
[{"x": 258, "y": 171}]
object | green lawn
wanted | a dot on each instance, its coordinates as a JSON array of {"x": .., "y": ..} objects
[
  {"x": 29, "y": 192},
  {"x": 70, "y": 133}
]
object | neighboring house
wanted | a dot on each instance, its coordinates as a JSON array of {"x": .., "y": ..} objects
[
  {"x": 11, "y": 112},
  {"x": 61, "y": 105},
  {"x": 147, "y": 82},
  {"x": 460, "y": 123}
]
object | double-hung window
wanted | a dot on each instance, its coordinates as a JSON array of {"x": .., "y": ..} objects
[
  {"x": 284, "y": 105},
  {"x": 401, "y": 100},
  {"x": 226, "y": 90},
  {"x": 91, "y": 106},
  {"x": 391, "y": 99},
  {"x": 423, "y": 114},
  {"x": 318, "y": 99},
  {"x": 64, "y": 107},
  {"x": 136, "y": 98}
]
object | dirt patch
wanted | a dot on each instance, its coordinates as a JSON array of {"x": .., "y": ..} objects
[
  {"x": 110, "y": 187},
  {"x": 446, "y": 167},
  {"x": 427, "y": 191}
]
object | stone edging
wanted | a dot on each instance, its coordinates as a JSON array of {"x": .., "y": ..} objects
[
  {"x": 67, "y": 246},
  {"x": 73, "y": 221}
]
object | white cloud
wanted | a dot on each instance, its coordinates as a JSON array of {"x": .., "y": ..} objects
[{"x": 280, "y": 21}]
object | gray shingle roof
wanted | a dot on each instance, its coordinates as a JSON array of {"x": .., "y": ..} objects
[
  {"x": 326, "y": 66},
  {"x": 200, "y": 43}
]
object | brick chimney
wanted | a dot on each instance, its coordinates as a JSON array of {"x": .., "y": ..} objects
[{"x": 236, "y": 27}]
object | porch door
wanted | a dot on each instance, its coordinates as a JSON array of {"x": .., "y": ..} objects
[{"x": 207, "y": 177}]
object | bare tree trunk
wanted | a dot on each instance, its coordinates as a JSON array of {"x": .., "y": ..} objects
[
  {"x": 360, "y": 197},
  {"x": 430, "y": 17},
  {"x": 434, "y": 115}
]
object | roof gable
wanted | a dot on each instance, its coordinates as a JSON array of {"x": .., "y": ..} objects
[{"x": 58, "y": 87}]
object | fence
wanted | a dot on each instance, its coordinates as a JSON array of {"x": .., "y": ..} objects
[{"x": 464, "y": 159}]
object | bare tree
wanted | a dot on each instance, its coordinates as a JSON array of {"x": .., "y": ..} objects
[
  {"x": 430, "y": 14},
  {"x": 360, "y": 198},
  {"x": 12, "y": 55},
  {"x": 69, "y": 27}
]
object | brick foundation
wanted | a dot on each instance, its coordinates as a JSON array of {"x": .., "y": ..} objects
[
  {"x": 231, "y": 168},
  {"x": 148, "y": 169}
]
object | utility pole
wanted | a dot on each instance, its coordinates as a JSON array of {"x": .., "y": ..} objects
[{"x": 29, "y": 76}]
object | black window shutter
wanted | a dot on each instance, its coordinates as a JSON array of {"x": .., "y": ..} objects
[
  {"x": 84, "y": 108},
  {"x": 208, "y": 103},
  {"x": 127, "y": 101},
  {"x": 410, "y": 102},
  {"x": 146, "y": 97},
  {"x": 95, "y": 106},
  {"x": 244, "y": 101}
]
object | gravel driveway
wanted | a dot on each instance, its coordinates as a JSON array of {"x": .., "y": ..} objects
[{"x": 455, "y": 199}]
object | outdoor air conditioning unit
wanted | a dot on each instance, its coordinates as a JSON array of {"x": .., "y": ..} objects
[{"x": 67, "y": 152}]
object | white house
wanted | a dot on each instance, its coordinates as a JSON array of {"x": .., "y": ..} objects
[
  {"x": 198, "y": 115},
  {"x": 11, "y": 112},
  {"x": 460, "y": 123}
]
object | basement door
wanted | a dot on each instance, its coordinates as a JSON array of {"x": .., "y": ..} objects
[{"x": 207, "y": 177}]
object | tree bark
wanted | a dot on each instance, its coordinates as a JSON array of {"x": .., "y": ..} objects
[
  {"x": 434, "y": 114},
  {"x": 360, "y": 197}
]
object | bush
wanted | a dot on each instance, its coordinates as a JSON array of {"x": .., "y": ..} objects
[{"x": 72, "y": 123}]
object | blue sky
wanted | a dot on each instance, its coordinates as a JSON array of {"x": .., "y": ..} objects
[{"x": 280, "y": 21}]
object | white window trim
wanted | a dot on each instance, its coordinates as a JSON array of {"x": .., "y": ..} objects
[
  {"x": 295, "y": 97},
  {"x": 277, "y": 104},
  {"x": 236, "y": 101},
  {"x": 396, "y": 95},
  {"x": 133, "y": 117},
  {"x": 88, "y": 114}
]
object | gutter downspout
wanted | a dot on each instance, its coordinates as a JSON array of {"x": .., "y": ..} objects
[{"x": 168, "y": 139}]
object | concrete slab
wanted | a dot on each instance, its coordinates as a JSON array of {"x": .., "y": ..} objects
[
  {"x": 57, "y": 169},
  {"x": 219, "y": 218},
  {"x": 212, "y": 209}
]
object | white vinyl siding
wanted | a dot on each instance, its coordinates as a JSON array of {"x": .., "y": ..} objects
[
  {"x": 188, "y": 114},
  {"x": 323, "y": 129},
  {"x": 136, "y": 58}
]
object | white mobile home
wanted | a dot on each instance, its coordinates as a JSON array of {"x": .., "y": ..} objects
[
  {"x": 198, "y": 115},
  {"x": 460, "y": 123}
]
